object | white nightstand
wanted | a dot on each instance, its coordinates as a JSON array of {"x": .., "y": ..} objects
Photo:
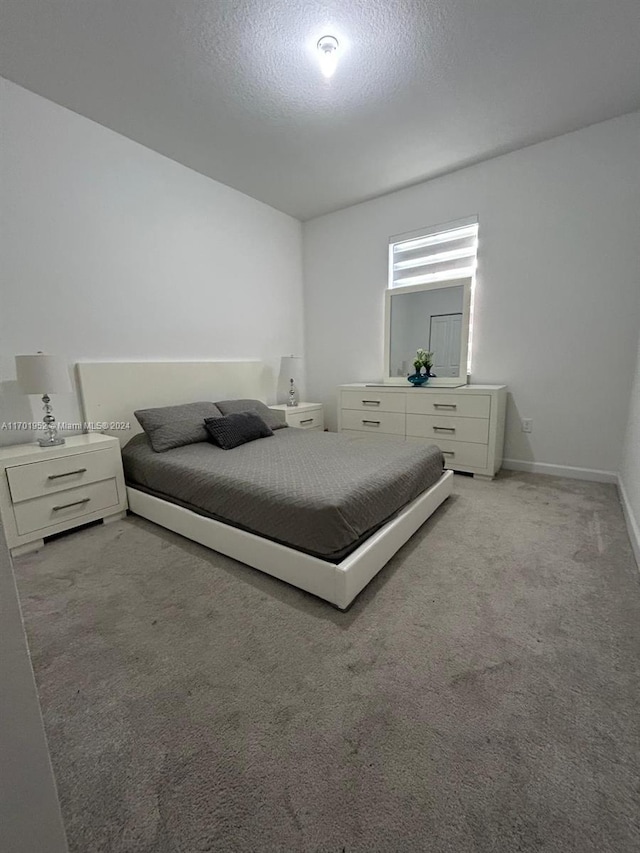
[
  {"x": 47, "y": 490},
  {"x": 302, "y": 416}
]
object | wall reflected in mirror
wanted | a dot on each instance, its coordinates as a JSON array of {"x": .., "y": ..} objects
[{"x": 431, "y": 319}]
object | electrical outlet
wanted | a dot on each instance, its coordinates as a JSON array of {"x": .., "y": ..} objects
[{"x": 527, "y": 424}]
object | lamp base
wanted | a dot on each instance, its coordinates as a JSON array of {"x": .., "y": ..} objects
[
  {"x": 54, "y": 442},
  {"x": 51, "y": 438},
  {"x": 292, "y": 399}
]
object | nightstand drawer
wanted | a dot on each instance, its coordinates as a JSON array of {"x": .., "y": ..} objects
[
  {"x": 306, "y": 420},
  {"x": 454, "y": 429},
  {"x": 50, "y": 510},
  {"x": 53, "y": 475},
  {"x": 374, "y": 422}
]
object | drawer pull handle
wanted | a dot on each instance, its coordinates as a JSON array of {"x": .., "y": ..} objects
[
  {"x": 448, "y": 452},
  {"x": 74, "y": 503},
  {"x": 308, "y": 421},
  {"x": 371, "y": 402},
  {"x": 445, "y": 406},
  {"x": 372, "y": 423},
  {"x": 66, "y": 474},
  {"x": 444, "y": 429}
]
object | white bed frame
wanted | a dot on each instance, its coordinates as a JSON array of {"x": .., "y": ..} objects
[{"x": 111, "y": 391}]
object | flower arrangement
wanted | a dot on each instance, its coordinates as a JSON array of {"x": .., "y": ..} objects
[{"x": 423, "y": 359}]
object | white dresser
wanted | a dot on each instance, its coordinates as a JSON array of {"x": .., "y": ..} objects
[
  {"x": 47, "y": 490},
  {"x": 467, "y": 423}
]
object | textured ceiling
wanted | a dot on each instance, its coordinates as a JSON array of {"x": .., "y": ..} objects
[{"x": 233, "y": 89}]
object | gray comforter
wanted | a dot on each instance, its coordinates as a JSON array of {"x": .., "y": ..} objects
[{"x": 319, "y": 492}]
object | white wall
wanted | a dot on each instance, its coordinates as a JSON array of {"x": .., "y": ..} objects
[
  {"x": 557, "y": 304},
  {"x": 112, "y": 251},
  {"x": 630, "y": 468}
]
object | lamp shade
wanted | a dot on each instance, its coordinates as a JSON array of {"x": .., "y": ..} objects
[
  {"x": 43, "y": 374},
  {"x": 291, "y": 367}
]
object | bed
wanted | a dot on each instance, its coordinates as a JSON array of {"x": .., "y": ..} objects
[
  {"x": 321, "y": 493},
  {"x": 322, "y": 511}
]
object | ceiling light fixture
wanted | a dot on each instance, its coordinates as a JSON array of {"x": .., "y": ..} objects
[{"x": 328, "y": 49}]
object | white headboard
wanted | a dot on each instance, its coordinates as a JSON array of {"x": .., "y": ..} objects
[{"x": 112, "y": 390}]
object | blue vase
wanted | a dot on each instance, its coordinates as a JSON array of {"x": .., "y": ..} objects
[{"x": 418, "y": 378}]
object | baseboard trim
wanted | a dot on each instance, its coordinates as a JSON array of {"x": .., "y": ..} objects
[
  {"x": 592, "y": 474},
  {"x": 633, "y": 527}
]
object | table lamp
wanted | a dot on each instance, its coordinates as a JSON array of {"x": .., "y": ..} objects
[
  {"x": 44, "y": 374},
  {"x": 291, "y": 367}
]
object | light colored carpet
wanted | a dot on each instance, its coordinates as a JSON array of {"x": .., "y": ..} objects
[{"x": 481, "y": 694}]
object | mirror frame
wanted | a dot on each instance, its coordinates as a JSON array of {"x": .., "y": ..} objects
[{"x": 450, "y": 381}]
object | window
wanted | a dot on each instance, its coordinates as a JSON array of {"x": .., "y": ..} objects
[{"x": 440, "y": 253}]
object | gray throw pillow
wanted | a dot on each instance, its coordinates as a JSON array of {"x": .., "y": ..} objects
[
  {"x": 230, "y": 431},
  {"x": 230, "y": 407},
  {"x": 175, "y": 426}
]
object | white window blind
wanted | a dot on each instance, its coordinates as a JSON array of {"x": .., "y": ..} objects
[{"x": 441, "y": 253}]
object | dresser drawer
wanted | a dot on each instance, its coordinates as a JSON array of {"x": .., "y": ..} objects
[
  {"x": 54, "y": 475},
  {"x": 461, "y": 405},
  {"x": 370, "y": 400},
  {"x": 391, "y": 423},
  {"x": 40, "y": 513},
  {"x": 306, "y": 420},
  {"x": 462, "y": 454},
  {"x": 453, "y": 429},
  {"x": 357, "y": 433},
  {"x": 459, "y": 454}
]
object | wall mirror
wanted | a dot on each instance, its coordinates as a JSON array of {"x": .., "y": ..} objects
[{"x": 433, "y": 316}]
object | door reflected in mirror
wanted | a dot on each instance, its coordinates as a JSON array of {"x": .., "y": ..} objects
[{"x": 431, "y": 319}]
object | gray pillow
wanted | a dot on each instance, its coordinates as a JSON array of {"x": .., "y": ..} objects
[
  {"x": 231, "y": 431},
  {"x": 174, "y": 426},
  {"x": 230, "y": 407}
]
